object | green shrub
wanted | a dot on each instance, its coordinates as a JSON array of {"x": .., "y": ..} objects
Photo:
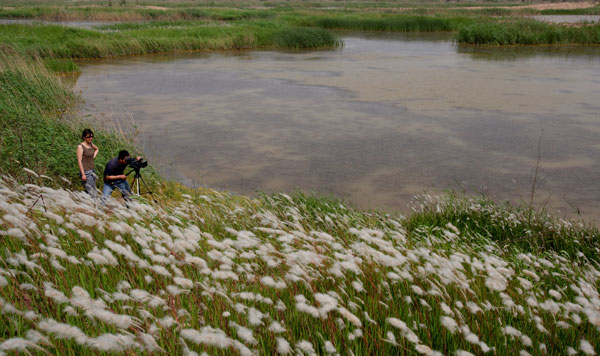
[
  {"x": 302, "y": 38},
  {"x": 61, "y": 65}
]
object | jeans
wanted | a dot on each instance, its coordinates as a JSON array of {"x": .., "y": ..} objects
[
  {"x": 120, "y": 184},
  {"x": 90, "y": 183}
]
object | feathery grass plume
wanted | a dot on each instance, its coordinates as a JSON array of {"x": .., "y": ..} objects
[
  {"x": 283, "y": 346},
  {"x": 306, "y": 347},
  {"x": 255, "y": 317},
  {"x": 270, "y": 282},
  {"x": 63, "y": 331},
  {"x": 18, "y": 344},
  {"x": 350, "y": 317},
  {"x": 207, "y": 336},
  {"x": 586, "y": 347},
  {"x": 244, "y": 333},
  {"x": 276, "y": 328},
  {"x": 449, "y": 324},
  {"x": 113, "y": 342},
  {"x": 405, "y": 330},
  {"x": 118, "y": 320},
  {"x": 326, "y": 302},
  {"x": 302, "y": 306}
]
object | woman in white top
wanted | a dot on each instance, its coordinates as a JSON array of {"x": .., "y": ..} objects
[{"x": 86, "y": 152}]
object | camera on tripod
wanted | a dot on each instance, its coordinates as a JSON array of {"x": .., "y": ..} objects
[{"x": 136, "y": 164}]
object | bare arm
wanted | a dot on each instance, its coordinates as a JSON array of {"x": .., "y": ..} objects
[
  {"x": 95, "y": 150},
  {"x": 122, "y": 176},
  {"x": 79, "y": 158}
]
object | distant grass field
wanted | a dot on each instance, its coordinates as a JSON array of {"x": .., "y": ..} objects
[
  {"x": 205, "y": 25},
  {"x": 247, "y": 9}
]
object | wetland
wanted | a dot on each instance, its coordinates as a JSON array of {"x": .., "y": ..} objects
[{"x": 384, "y": 118}]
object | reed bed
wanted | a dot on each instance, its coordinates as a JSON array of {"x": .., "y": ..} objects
[
  {"x": 527, "y": 32},
  {"x": 126, "y": 39},
  {"x": 392, "y": 23},
  {"x": 209, "y": 272},
  {"x": 305, "y": 38}
]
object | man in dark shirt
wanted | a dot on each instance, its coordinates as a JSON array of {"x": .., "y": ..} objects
[{"x": 114, "y": 177}]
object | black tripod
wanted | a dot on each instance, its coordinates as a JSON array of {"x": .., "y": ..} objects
[{"x": 135, "y": 183}]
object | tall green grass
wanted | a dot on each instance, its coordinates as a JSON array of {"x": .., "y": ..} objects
[
  {"x": 527, "y": 32},
  {"x": 303, "y": 38},
  {"x": 392, "y": 23},
  {"x": 520, "y": 227},
  {"x": 37, "y": 130},
  {"x": 127, "y": 39}
]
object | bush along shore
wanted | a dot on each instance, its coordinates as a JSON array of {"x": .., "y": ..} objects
[{"x": 126, "y": 39}]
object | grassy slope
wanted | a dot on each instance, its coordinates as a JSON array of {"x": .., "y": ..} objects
[
  {"x": 35, "y": 131},
  {"x": 218, "y": 267}
]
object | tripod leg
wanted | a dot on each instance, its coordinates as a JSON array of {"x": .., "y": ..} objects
[{"x": 148, "y": 189}]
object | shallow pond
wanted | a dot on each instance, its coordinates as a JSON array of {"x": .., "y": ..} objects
[{"x": 384, "y": 118}]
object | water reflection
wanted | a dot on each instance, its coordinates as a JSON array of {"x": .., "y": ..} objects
[
  {"x": 564, "y": 53},
  {"x": 376, "y": 122}
]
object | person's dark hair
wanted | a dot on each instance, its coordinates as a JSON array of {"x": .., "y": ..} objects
[
  {"x": 123, "y": 154},
  {"x": 86, "y": 132}
]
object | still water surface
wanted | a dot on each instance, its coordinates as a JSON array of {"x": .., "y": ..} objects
[
  {"x": 567, "y": 18},
  {"x": 384, "y": 118}
]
